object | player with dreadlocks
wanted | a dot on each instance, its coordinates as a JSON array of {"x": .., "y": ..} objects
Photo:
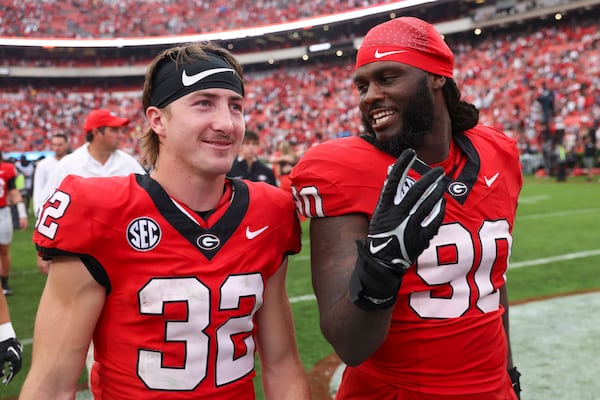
[{"x": 411, "y": 230}]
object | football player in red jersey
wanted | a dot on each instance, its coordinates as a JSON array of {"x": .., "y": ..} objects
[
  {"x": 9, "y": 194},
  {"x": 410, "y": 275},
  {"x": 178, "y": 276}
]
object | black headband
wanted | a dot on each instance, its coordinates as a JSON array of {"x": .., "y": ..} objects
[{"x": 170, "y": 82}]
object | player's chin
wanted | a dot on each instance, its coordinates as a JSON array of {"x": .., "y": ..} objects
[
  {"x": 221, "y": 166},
  {"x": 390, "y": 144}
]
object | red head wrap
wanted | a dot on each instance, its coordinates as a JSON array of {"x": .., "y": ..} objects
[{"x": 410, "y": 41}]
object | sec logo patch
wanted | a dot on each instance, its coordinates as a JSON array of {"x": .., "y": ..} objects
[{"x": 143, "y": 234}]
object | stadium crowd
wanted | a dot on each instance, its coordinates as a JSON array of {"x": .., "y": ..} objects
[
  {"x": 110, "y": 18},
  {"x": 504, "y": 74}
]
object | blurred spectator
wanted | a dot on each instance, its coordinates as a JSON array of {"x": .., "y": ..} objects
[
  {"x": 247, "y": 165},
  {"x": 589, "y": 157},
  {"x": 283, "y": 160},
  {"x": 561, "y": 161},
  {"x": 45, "y": 167},
  {"x": 546, "y": 100},
  {"x": 26, "y": 168},
  {"x": 101, "y": 155},
  {"x": 43, "y": 170}
]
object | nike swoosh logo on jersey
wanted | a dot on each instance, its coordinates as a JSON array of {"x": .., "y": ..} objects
[
  {"x": 387, "y": 53},
  {"x": 376, "y": 249},
  {"x": 490, "y": 181},
  {"x": 189, "y": 80},
  {"x": 252, "y": 234}
]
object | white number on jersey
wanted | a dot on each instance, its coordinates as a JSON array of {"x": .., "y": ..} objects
[
  {"x": 426, "y": 304},
  {"x": 46, "y": 225},
  {"x": 229, "y": 368}
]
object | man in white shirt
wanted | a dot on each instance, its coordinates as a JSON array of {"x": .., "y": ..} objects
[
  {"x": 100, "y": 156},
  {"x": 45, "y": 168}
]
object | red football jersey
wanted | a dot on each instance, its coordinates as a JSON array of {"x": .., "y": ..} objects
[
  {"x": 8, "y": 171},
  {"x": 182, "y": 293},
  {"x": 446, "y": 335}
]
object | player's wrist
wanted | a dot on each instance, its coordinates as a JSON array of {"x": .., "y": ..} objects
[
  {"x": 21, "y": 211},
  {"x": 7, "y": 331},
  {"x": 373, "y": 285}
]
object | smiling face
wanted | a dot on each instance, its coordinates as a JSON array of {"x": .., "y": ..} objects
[
  {"x": 201, "y": 131},
  {"x": 396, "y": 104}
]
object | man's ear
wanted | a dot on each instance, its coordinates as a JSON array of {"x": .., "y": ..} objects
[
  {"x": 438, "y": 81},
  {"x": 155, "y": 116}
]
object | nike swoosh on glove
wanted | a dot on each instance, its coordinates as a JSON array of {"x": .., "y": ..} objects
[
  {"x": 11, "y": 354},
  {"x": 403, "y": 224},
  {"x": 404, "y": 221}
]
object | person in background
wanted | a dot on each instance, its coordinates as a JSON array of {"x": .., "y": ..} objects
[
  {"x": 283, "y": 160},
  {"x": 546, "y": 99},
  {"x": 178, "y": 276},
  {"x": 11, "y": 350},
  {"x": 247, "y": 165},
  {"x": 9, "y": 195},
  {"x": 560, "y": 154},
  {"x": 101, "y": 155},
  {"x": 589, "y": 156},
  {"x": 43, "y": 169},
  {"x": 26, "y": 168},
  {"x": 411, "y": 230}
]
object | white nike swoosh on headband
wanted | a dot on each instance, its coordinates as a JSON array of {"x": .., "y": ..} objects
[
  {"x": 190, "y": 80},
  {"x": 387, "y": 53}
]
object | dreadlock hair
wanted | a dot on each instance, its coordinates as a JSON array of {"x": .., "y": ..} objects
[{"x": 463, "y": 115}]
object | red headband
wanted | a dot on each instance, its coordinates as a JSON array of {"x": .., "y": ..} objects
[{"x": 410, "y": 41}]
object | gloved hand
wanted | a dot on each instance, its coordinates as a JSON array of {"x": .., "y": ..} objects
[
  {"x": 11, "y": 353},
  {"x": 405, "y": 219}
]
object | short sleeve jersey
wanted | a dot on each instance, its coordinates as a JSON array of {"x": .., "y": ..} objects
[
  {"x": 182, "y": 292},
  {"x": 446, "y": 334}
]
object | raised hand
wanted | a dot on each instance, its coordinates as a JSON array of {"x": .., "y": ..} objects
[{"x": 406, "y": 217}]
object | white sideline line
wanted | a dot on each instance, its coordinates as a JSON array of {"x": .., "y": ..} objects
[
  {"x": 304, "y": 297},
  {"x": 565, "y": 213},
  {"x": 548, "y": 260}
]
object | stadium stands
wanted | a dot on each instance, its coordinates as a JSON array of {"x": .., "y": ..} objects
[
  {"x": 107, "y": 18},
  {"x": 502, "y": 72}
]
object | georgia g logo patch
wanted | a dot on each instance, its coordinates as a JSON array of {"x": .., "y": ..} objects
[
  {"x": 208, "y": 241},
  {"x": 458, "y": 189},
  {"x": 143, "y": 234}
]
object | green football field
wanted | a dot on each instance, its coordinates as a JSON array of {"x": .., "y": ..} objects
[{"x": 556, "y": 251}]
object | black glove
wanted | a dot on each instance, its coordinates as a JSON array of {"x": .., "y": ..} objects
[
  {"x": 405, "y": 219},
  {"x": 11, "y": 352},
  {"x": 514, "y": 378}
]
